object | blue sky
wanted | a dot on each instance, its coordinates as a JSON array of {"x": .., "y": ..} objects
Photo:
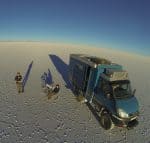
[{"x": 121, "y": 24}]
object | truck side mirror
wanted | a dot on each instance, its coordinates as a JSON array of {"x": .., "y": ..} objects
[{"x": 134, "y": 91}]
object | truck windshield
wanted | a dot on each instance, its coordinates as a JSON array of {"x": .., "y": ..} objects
[{"x": 121, "y": 89}]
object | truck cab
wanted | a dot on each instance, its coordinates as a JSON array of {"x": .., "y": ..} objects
[{"x": 114, "y": 100}]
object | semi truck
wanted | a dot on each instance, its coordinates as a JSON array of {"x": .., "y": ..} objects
[{"x": 106, "y": 87}]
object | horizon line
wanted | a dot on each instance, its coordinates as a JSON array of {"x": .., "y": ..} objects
[{"x": 79, "y": 44}]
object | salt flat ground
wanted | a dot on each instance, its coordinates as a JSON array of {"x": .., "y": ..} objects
[{"x": 31, "y": 118}]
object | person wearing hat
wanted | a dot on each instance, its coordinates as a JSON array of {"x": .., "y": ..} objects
[{"x": 18, "y": 79}]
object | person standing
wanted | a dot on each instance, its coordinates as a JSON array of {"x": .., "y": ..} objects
[
  {"x": 43, "y": 80},
  {"x": 18, "y": 79}
]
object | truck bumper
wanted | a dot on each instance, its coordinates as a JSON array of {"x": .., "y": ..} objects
[{"x": 127, "y": 123}]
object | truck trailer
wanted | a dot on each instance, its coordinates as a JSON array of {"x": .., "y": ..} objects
[{"x": 105, "y": 86}]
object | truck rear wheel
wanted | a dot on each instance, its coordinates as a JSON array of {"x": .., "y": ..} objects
[{"x": 105, "y": 121}]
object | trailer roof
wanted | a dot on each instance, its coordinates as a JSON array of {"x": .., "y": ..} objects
[{"x": 90, "y": 60}]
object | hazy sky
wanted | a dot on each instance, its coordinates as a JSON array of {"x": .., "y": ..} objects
[{"x": 112, "y": 23}]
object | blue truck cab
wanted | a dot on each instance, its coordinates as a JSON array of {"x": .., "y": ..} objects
[{"x": 106, "y": 87}]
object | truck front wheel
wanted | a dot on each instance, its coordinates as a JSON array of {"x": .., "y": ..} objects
[{"x": 105, "y": 121}]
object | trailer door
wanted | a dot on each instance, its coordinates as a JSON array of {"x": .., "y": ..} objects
[
  {"x": 87, "y": 75},
  {"x": 91, "y": 84}
]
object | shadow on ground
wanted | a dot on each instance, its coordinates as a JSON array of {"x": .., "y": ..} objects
[
  {"x": 46, "y": 78},
  {"x": 49, "y": 79},
  {"x": 62, "y": 68},
  {"x": 27, "y": 75}
]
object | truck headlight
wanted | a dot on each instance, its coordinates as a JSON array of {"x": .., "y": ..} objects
[{"x": 122, "y": 113}]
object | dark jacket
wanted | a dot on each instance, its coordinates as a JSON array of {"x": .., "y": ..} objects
[
  {"x": 56, "y": 89},
  {"x": 18, "y": 78}
]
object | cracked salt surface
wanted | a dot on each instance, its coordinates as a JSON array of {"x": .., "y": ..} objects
[{"x": 30, "y": 117}]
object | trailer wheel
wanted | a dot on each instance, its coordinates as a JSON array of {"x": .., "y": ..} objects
[{"x": 105, "y": 121}]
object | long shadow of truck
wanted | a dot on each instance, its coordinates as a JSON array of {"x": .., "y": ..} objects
[{"x": 62, "y": 68}]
